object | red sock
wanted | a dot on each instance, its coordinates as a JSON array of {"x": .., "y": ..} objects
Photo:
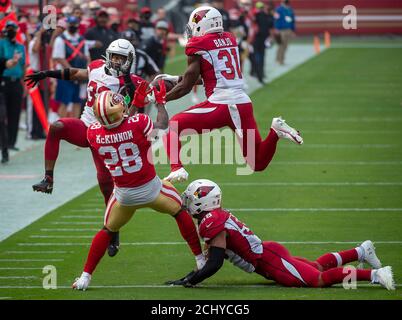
[
  {"x": 188, "y": 231},
  {"x": 52, "y": 145},
  {"x": 97, "y": 250},
  {"x": 337, "y": 259},
  {"x": 337, "y": 275}
]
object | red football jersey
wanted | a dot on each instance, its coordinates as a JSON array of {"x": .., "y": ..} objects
[
  {"x": 240, "y": 239},
  {"x": 220, "y": 67},
  {"x": 125, "y": 150}
]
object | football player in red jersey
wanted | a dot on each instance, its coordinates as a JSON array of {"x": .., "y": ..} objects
[
  {"x": 123, "y": 144},
  {"x": 116, "y": 73},
  {"x": 227, "y": 237},
  {"x": 213, "y": 55}
]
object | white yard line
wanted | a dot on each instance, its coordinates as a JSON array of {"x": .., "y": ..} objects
[
  {"x": 30, "y": 260},
  {"x": 344, "y": 163},
  {"x": 44, "y": 244},
  {"x": 87, "y": 210},
  {"x": 76, "y": 223},
  {"x": 67, "y": 229},
  {"x": 38, "y": 252},
  {"x": 318, "y": 209},
  {"x": 83, "y": 216},
  {"x": 18, "y": 277},
  {"x": 19, "y": 268},
  {"x": 61, "y": 237},
  {"x": 309, "y": 184},
  {"x": 212, "y": 286}
]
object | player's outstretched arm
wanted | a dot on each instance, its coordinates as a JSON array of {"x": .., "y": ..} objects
[
  {"x": 162, "y": 118},
  {"x": 65, "y": 74},
  {"x": 190, "y": 78},
  {"x": 216, "y": 257}
]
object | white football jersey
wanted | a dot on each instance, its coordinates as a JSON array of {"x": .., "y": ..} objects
[
  {"x": 220, "y": 67},
  {"x": 99, "y": 81}
]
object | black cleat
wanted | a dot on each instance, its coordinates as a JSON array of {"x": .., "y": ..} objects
[
  {"x": 45, "y": 186},
  {"x": 114, "y": 245},
  {"x": 4, "y": 156}
]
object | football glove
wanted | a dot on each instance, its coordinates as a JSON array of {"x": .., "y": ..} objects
[
  {"x": 140, "y": 95},
  {"x": 182, "y": 282},
  {"x": 33, "y": 79},
  {"x": 125, "y": 68},
  {"x": 160, "y": 96}
]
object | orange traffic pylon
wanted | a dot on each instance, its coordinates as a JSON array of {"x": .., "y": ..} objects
[
  {"x": 317, "y": 44},
  {"x": 327, "y": 39}
]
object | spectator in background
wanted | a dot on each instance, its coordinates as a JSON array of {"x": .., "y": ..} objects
[
  {"x": 100, "y": 33},
  {"x": 12, "y": 80},
  {"x": 145, "y": 66},
  {"x": 219, "y": 5},
  {"x": 70, "y": 51},
  {"x": 285, "y": 26},
  {"x": 130, "y": 12},
  {"x": 9, "y": 64},
  {"x": 156, "y": 46},
  {"x": 147, "y": 28},
  {"x": 264, "y": 23},
  {"x": 240, "y": 29},
  {"x": 134, "y": 26},
  {"x": 35, "y": 129}
]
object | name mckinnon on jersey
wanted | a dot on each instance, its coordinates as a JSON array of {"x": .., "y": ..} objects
[{"x": 114, "y": 138}]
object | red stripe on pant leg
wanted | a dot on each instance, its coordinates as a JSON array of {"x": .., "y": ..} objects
[
  {"x": 174, "y": 191},
  {"x": 171, "y": 197}
]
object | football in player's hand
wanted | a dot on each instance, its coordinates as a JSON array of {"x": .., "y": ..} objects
[{"x": 169, "y": 84}]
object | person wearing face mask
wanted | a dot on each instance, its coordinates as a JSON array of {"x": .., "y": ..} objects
[
  {"x": 147, "y": 28},
  {"x": 70, "y": 50},
  {"x": 11, "y": 81}
]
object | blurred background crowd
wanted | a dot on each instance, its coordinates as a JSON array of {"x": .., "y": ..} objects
[{"x": 83, "y": 30}]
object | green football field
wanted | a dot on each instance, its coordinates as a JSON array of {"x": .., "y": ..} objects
[{"x": 343, "y": 186}]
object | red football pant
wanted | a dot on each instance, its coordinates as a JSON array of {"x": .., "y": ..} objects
[
  {"x": 74, "y": 131},
  {"x": 209, "y": 116},
  {"x": 277, "y": 264}
]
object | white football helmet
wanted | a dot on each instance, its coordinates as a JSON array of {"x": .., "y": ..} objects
[
  {"x": 204, "y": 20},
  {"x": 202, "y": 195},
  {"x": 124, "y": 48}
]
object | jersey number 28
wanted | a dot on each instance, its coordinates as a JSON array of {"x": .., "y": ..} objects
[{"x": 130, "y": 163}]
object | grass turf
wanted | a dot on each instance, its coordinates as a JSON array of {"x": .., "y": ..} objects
[{"x": 347, "y": 103}]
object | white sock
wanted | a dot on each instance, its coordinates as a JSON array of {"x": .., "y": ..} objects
[{"x": 360, "y": 253}]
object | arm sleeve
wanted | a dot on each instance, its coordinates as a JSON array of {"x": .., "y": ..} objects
[
  {"x": 214, "y": 263},
  {"x": 239, "y": 262}
]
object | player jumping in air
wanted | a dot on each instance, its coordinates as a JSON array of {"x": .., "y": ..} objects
[
  {"x": 213, "y": 54},
  {"x": 123, "y": 144},
  {"x": 115, "y": 74},
  {"x": 229, "y": 238}
]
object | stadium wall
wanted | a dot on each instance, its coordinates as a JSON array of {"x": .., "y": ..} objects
[{"x": 316, "y": 16}]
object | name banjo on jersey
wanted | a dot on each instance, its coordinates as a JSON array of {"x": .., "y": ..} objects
[
  {"x": 223, "y": 42},
  {"x": 113, "y": 138}
]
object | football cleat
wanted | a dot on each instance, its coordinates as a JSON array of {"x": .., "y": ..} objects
[
  {"x": 114, "y": 245},
  {"x": 82, "y": 282},
  {"x": 45, "y": 186},
  {"x": 284, "y": 131},
  {"x": 369, "y": 255},
  {"x": 178, "y": 175},
  {"x": 384, "y": 277}
]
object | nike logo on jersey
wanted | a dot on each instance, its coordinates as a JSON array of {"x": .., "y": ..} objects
[{"x": 210, "y": 224}]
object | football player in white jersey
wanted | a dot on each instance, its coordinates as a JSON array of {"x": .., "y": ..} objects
[
  {"x": 213, "y": 55},
  {"x": 115, "y": 73}
]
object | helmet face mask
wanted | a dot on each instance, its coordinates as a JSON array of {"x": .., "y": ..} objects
[{"x": 115, "y": 54}]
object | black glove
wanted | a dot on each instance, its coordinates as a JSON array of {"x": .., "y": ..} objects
[
  {"x": 181, "y": 282},
  {"x": 33, "y": 79}
]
